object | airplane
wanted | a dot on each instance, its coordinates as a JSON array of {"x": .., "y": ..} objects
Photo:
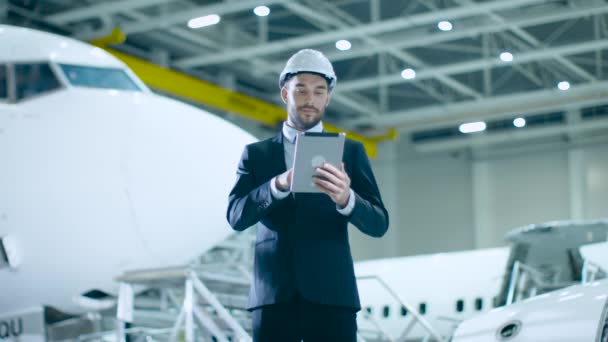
[
  {"x": 99, "y": 175},
  {"x": 445, "y": 289},
  {"x": 578, "y": 313}
]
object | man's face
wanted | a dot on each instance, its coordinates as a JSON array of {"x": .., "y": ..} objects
[{"x": 306, "y": 96}]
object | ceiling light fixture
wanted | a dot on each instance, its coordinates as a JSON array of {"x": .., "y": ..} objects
[
  {"x": 261, "y": 11},
  {"x": 519, "y": 122},
  {"x": 343, "y": 45},
  {"x": 445, "y": 25},
  {"x": 472, "y": 127},
  {"x": 506, "y": 57},
  {"x": 563, "y": 85},
  {"x": 408, "y": 74},
  {"x": 207, "y": 20}
]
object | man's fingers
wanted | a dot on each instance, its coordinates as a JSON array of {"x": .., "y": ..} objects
[
  {"x": 324, "y": 190},
  {"x": 332, "y": 181},
  {"x": 325, "y": 185},
  {"x": 340, "y": 174},
  {"x": 328, "y": 175},
  {"x": 289, "y": 175},
  {"x": 330, "y": 168}
]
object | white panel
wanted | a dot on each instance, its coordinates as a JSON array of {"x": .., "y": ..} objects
[
  {"x": 435, "y": 211},
  {"x": 530, "y": 188},
  {"x": 597, "y": 181}
]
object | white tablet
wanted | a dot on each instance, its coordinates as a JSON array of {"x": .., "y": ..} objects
[{"x": 311, "y": 151}]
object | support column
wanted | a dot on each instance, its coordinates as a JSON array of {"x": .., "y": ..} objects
[
  {"x": 577, "y": 181},
  {"x": 482, "y": 205},
  {"x": 576, "y": 170},
  {"x": 388, "y": 170}
]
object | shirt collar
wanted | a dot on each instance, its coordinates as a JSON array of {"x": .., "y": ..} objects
[{"x": 290, "y": 133}]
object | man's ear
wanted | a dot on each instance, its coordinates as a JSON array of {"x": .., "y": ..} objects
[
  {"x": 284, "y": 94},
  {"x": 328, "y": 99}
]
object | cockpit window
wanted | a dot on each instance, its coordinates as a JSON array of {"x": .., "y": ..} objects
[
  {"x": 95, "y": 77},
  {"x": 3, "y": 83},
  {"x": 34, "y": 79}
]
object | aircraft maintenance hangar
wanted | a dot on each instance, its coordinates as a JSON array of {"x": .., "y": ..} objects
[{"x": 131, "y": 208}]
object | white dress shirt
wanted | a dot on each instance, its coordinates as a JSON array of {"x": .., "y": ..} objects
[{"x": 289, "y": 139}]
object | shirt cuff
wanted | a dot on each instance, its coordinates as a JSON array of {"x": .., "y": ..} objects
[
  {"x": 349, "y": 206},
  {"x": 276, "y": 193}
]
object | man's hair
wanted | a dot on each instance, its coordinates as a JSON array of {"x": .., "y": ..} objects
[{"x": 290, "y": 75}]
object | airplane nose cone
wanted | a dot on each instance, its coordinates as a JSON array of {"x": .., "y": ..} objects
[{"x": 101, "y": 182}]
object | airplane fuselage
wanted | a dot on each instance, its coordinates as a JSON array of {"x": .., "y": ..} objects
[{"x": 99, "y": 174}]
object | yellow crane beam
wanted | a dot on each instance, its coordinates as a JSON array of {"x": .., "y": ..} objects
[{"x": 209, "y": 94}]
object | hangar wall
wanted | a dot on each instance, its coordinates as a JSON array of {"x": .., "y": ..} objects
[
  {"x": 596, "y": 181},
  {"x": 462, "y": 200}
]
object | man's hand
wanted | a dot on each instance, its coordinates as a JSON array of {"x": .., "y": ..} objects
[
  {"x": 283, "y": 181},
  {"x": 333, "y": 182}
]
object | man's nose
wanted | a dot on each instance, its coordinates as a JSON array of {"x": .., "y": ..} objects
[{"x": 309, "y": 99}]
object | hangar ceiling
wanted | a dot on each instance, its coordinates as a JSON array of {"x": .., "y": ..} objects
[{"x": 459, "y": 73}]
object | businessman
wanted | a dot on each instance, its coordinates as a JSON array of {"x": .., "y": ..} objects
[{"x": 304, "y": 286}]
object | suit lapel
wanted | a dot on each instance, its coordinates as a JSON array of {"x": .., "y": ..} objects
[{"x": 276, "y": 161}]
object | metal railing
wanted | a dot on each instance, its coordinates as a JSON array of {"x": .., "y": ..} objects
[
  {"x": 200, "y": 313},
  {"x": 195, "y": 287},
  {"x": 137, "y": 334}
]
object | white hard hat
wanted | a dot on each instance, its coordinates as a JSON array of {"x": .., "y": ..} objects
[{"x": 308, "y": 60}]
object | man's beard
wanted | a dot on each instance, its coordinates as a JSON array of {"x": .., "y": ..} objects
[{"x": 306, "y": 125}]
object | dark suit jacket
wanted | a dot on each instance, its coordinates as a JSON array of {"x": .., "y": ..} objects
[{"x": 302, "y": 241}]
